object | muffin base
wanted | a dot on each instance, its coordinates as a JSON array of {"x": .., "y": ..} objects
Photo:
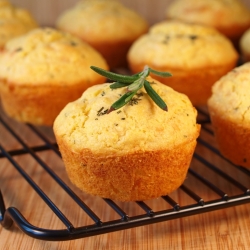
[
  {"x": 232, "y": 138},
  {"x": 115, "y": 54},
  {"x": 130, "y": 177},
  {"x": 245, "y": 57},
  {"x": 38, "y": 104},
  {"x": 234, "y": 33}
]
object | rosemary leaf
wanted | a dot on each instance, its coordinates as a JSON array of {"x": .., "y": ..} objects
[
  {"x": 122, "y": 101},
  {"x": 136, "y": 85},
  {"x": 115, "y": 77},
  {"x": 155, "y": 97},
  {"x": 163, "y": 74},
  {"x": 117, "y": 85},
  {"x": 137, "y": 74}
]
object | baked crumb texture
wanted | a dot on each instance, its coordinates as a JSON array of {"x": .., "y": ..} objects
[
  {"x": 14, "y": 21},
  {"x": 229, "y": 108},
  {"x": 108, "y": 26},
  {"x": 197, "y": 56},
  {"x": 43, "y": 70},
  {"x": 138, "y": 152},
  {"x": 230, "y": 17}
]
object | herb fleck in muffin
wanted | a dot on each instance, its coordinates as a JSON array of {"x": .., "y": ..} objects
[
  {"x": 43, "y": 70},
  {"x": 229, "y": 108},
  {"x": 137, "y": 152},
  {"x": 197, "y": 56},
  {"x": 108, "y": 26}
]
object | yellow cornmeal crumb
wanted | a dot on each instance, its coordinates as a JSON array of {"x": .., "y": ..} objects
[
  {"x": 48, "y": 56},
  {"x": 231, "y": 95},
  {"x": 229, "y": 12},
  {"x": 138, "y": 126},
  {"x": 104, "y": 20},
  {"x": 229, "y": 109},
  {"x": 182, "y": 46},
  {"x": 14, "y": 21}
]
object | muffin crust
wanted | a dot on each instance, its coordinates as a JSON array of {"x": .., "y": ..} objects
[{"x": 135, "y": 153}]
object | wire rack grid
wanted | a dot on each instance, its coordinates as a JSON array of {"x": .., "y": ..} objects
[{"x": 212, "y": 183}]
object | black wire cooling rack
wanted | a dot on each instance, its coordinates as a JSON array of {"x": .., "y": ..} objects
[{"x": 216, "y": 164}]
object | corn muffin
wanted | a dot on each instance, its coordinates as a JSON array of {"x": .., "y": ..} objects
[
  {"x": 197, "y": 56},
  {"x": 229, "y": 108},
  {"x": 14, "y": 21},
  {"x": 245, "y": 46},
  {"x": 138, "y": 152},
  {"x": 43, "y": 70},
  {"x": 230, "y": 17},
  {"x": 108, "y": 26}
]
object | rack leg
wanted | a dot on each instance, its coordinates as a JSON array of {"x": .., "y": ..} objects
[{"x": 5, "y": 221}]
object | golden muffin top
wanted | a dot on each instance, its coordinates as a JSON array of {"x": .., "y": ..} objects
[
  {"x": 14, "y": 21},
  {"x": 215, "y": 13},
  {"x": 45, "y": 56},
  {"x": 103, "y": 20},
  {"x": 230, "y": 95},
  {"x": 138, "y": 126},
  {"x": 181, "y": 45}
]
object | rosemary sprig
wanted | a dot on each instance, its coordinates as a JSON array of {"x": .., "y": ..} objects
[
  {"x": 117, "y": 85},
  {"x": 155, "y": 97},
  {"x": 133, "y": 84},
  {"x": 115, "y": 77}
]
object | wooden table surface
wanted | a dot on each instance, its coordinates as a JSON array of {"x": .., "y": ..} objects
[{"x": 227, "y": 228}]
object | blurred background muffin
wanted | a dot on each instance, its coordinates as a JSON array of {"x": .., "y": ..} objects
[
  {"x": 230, "y": 17},
  {"x": 244, "y": 46},
  {"x": 14, "y": 21},
  {"x": 108, "y": 26},
  {"x": 43, "y": 70},
  {"x": 196, "y": 55}
]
